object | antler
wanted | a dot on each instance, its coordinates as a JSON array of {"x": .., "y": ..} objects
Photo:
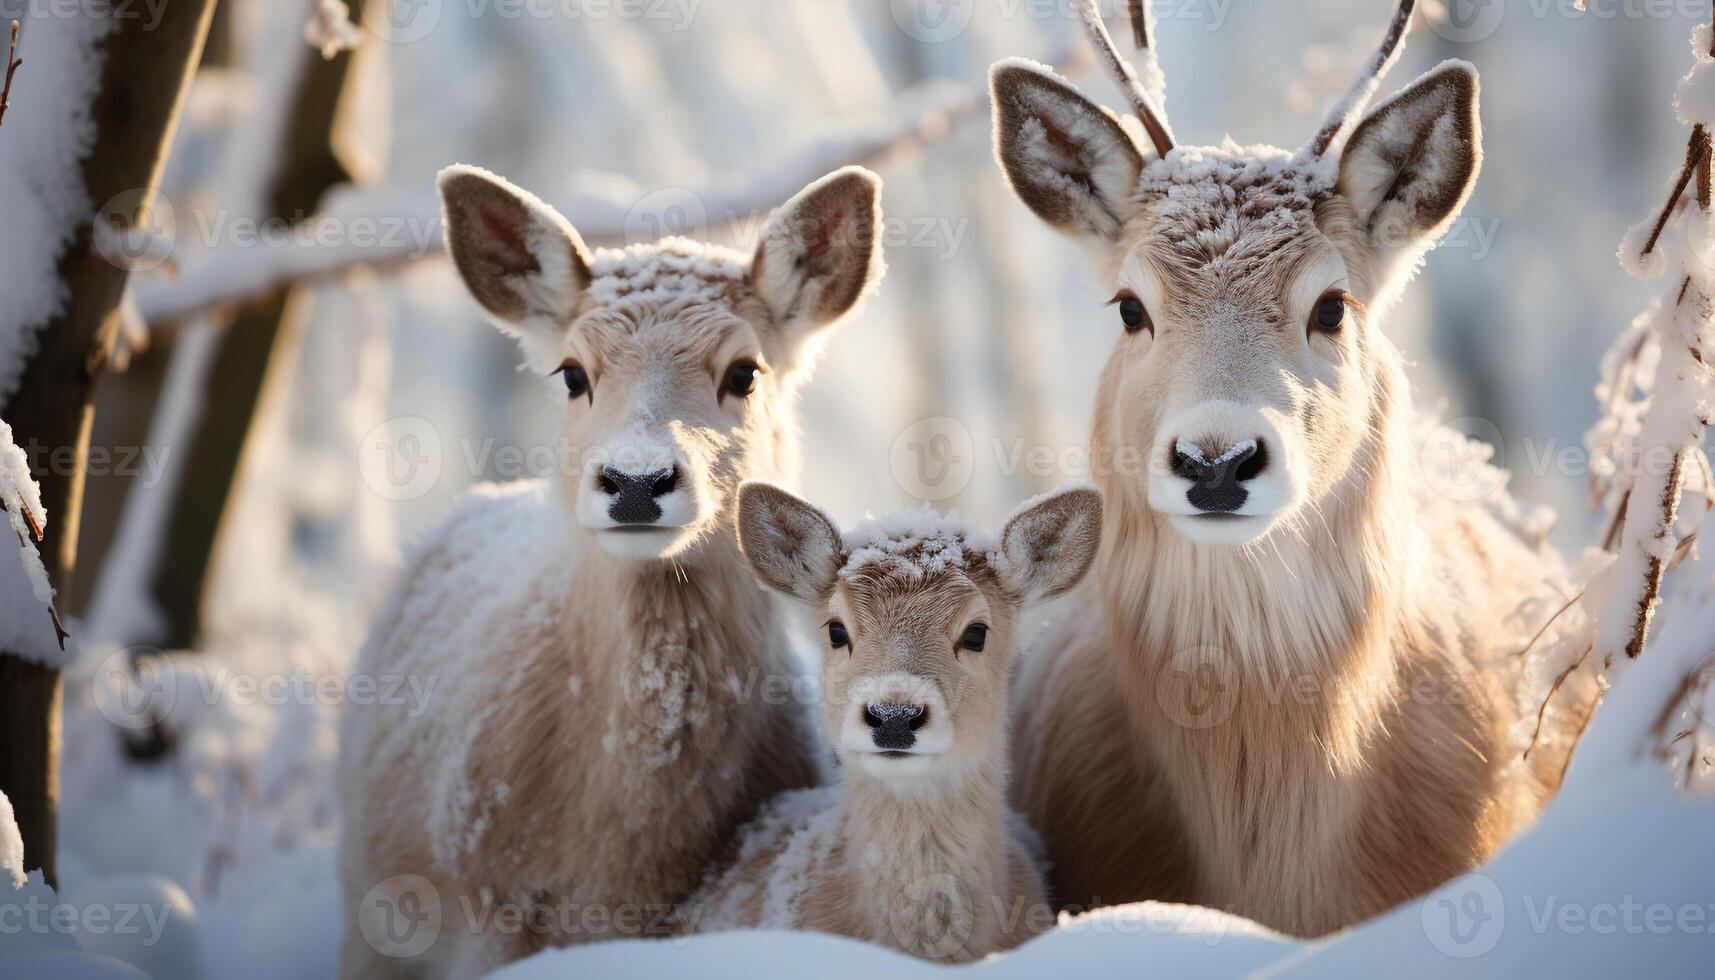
[
  {"x": 1352, "y": 104},
  {"x": 1154, "y": 122}
]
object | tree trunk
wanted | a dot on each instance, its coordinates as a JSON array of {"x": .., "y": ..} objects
[
  {"x": 251, "y": 347},
  {"x": 146, "y": 69}
]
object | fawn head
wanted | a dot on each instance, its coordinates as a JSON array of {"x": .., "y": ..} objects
[
  {"x": 1249, "y": 376},
  {"x": 679, "y": 360},
  {"x": 917, "y": 619}
]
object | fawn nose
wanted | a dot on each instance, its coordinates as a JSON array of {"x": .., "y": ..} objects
[
  {"x": 1218, "y": 474},
  {"x": 634, "y": 494},
  {"x": 894, "y": 726}
]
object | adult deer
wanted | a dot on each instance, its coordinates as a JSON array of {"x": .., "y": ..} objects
[
  {"x": 602, "y": 720},
  {"x": 1287, "y": 691}
]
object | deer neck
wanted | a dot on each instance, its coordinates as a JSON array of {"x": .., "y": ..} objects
[
  {"x": 1281, "y": 647},
  {"x": 941, "y": 837}
]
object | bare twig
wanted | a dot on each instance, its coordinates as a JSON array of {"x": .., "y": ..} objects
[
  {"x": 1696, "y": 161},
  {"x": 12, "y": 63}
]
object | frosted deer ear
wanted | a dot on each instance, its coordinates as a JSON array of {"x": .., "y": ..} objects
[
  {"x": 821, "y": 251},
  {"x": 1410, "y": 165},
  {"x": 518, "y": 257},
  {"x": 1049, "y": 543},
  {"x": 790, "y": 544},
  {"x": 1066, "y": 157}
]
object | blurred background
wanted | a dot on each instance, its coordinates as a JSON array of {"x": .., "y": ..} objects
[{"x": 308, "y": 385}]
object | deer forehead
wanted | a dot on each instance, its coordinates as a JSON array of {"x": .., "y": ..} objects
[{"x": 1230, "y": 232}]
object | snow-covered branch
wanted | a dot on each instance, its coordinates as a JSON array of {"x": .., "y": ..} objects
[
  {"x": 397, "y": 229},
  {"x": 21, "y": 501}
]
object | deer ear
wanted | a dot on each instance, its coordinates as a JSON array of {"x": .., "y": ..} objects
[
  {"x": 821, "y": 251},
  {"x": 1049, "y": 543},
  {"x": 790, "y": 544},
  {"x": 518, "y": 257},
  {"x": 1410, "y": 165},
  {"x": 1066, "y": 157}
]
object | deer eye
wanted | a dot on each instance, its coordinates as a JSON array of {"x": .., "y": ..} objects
[
  {"x": 740, "y": 379},
  {"x": 837, "y": 637},
  {"x": 577, "y": 381},
  {"x": 975, "y": 636},
  {"x": 1133, "y": 314},
  {"x": 1330, "y": 313}
]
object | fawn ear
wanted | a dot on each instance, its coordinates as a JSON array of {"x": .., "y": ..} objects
[
  {"x": 821, "y": 251},
  {"x": 790, "y": 544},
  {"x": 1049, "y": 543},
  {"x": 1066, "y": 157},
  {"x": 518, "y": 257},
  {"x": 1410, "y": 165}
]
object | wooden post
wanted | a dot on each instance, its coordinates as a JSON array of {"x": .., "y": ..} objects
[{"x": 147, "y": 66}]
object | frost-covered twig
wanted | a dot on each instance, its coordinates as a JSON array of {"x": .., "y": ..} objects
[
  {"x": 21, "y": 501},
  {"x": 329, "y": 29},
  {"x": 1137, "y": 93},
  {"x": 12, "y": 63},
  {"x": 1351, "y": 105},
  {"x": 407, "y": 226}
]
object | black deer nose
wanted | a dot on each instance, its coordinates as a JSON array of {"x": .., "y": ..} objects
[
  {"x": 634, "y": 493},
  {"x": 894, "y": 725},
  {"x": 1217, "y": 479}
]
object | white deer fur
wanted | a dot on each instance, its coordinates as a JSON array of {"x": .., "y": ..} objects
[
  {"x": 1302, "y": 713},
  {"x": 919, "y": 850},
  {"x": 597, "y": 730}
]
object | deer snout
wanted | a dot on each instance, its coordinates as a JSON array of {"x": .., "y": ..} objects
[
  {"x": 893, "y": 726},
  {"x": 1218, "y": 472},
  {"x": 634, "y": 498}
]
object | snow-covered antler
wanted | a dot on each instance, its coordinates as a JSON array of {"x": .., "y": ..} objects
[
  {"x": 1351, "y": 105},
  {"x": 1136, "y": 92}
]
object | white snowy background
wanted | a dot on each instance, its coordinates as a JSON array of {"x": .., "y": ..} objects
[{"x": 668, "y": 121}]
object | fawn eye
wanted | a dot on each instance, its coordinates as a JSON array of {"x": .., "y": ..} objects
[
  {"x": 975, "y": 636},
  {"x": 577, "y": 381},
  {"x": 1133, "y": 314},
  {"x": 1330, "y": 313},
  {"x": 837, "y": 637},
  {"x": 740, "y": 379}
]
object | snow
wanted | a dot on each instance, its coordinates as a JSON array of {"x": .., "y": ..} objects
[
  {"x": 48, "y": 133},
  {"x": 912, "y": 543},
  {"x": 11, "y": 845},
  {"x": 674, "y": 268},
  {"x": 1191, "y": 449}
]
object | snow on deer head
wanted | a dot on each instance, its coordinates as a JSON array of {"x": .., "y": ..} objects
[
  {"x": 1249, "y": 282},
  {"x": 680, "y": 360},
  {"x": 918, "y": 617}
]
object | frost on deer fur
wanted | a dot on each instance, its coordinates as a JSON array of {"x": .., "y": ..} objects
[
  {"x": 811, "y": 822},
  {"x": 49, "y": 131},
  {"x": 674, "y": 268},
  {"x": 912, "y": 543}
]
